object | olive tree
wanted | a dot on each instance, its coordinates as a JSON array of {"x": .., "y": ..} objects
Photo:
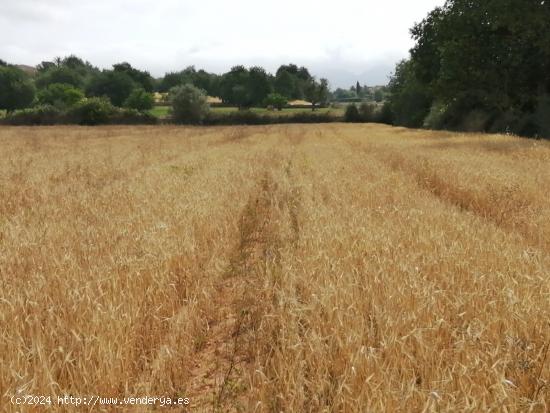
[{"x": 189, "y": 104}]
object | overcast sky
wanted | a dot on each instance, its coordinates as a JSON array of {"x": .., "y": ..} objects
[{"x": 345, "y": 40}]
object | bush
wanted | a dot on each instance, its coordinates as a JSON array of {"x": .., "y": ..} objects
[
  {"x": 140, "y": 100},
  {"x": 60, "y": 95},
  {"x": 247, "y": 117},
  {"x": 386, "y": 114},
  {"x": 117, "y": 86},
  {"x": 131, "y": 117},
  {"x": 368, "y": 112},
  {"x": 92, "y": 111},
  {"x": 276, "y": 100},
  {"x": 189, "y": 104},
  {"x": 352, "y": 114},
  {"x": 39, "y": 115}
]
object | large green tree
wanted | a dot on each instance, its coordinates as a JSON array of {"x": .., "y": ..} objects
[
  {"x": 234, "y": 87},
  {"x": 258, "y": 84},
  {"x": 209, "y": 82},
  {"x": 489, "y": 56},
  {"x": 16, "y": 89},
  {"x": 317, "y": 92},
  {"x": 115, "y": 85},
  {"x": 140, "y": 77},
  {"x": 410, "y": 99},
  {"x": 59, "y": 74}
]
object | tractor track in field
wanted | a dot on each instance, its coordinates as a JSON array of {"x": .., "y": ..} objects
[{"x": 219, "y": 376}]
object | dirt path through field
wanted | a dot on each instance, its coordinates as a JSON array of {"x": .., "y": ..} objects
[{"x": 217, "y": 377}]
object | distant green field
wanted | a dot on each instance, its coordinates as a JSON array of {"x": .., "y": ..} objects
[{"x": 163, "y": 111}]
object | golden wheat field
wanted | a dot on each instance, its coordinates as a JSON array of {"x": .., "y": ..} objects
[{"x": 297, "y": 268}]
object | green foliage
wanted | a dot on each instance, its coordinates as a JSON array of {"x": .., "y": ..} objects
[
  {"x": 127, "y": 116},
  {"x": 276, "y": 100},
  {"x": 188, "y": 104},
  {"x": 386, "y": 114},
  {"x": 248, "y": 117},
  {"x": 368, "y": 112},
  {"x": 436, "y": 116},
  {"x": 39, "y": 115},
  {"x": 245, "y": 88},
  {"x": 59, "y": 75},
  {"x": 343, "y": 94},
  {"x": 16, "y": 89},
  {"x": 486, "y": 65},
  {"x": 233, "y": 87},
  {"x": 317, "y": 92},
  {"x": 352, "y": 114},
  {"x": 60, "y": 95},
  {"x": 142, "y": 78},
  {"x": 140, "y": 100},
  {"x": 286, "y": 84},
  {"x": 209, "y": 82},
  {"x": 259, "y": 85},
  {"x": 410, "y": 100},
  {"x": 292, "y": 81},
  {"x": 92, "y": 111},
  {"x": 115, "y": 85}
]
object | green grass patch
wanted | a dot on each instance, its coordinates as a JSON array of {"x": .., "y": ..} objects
[{"x": 160, "y": 111}]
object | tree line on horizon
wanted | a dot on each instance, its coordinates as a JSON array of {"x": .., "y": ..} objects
[
  {"x": 67, "y": 80},
  {"x": 475, "y": 66}
]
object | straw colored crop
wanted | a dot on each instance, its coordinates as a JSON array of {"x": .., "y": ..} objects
[{"x": 319, "y": 268}]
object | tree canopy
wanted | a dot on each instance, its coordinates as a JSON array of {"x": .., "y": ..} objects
[
  {"x": 490, "y": 57},
  {"x": 16, "y": 89},
  {"x": 115, "y": 85}
]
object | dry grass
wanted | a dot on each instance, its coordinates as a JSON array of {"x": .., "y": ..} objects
[{"x": 281, "y": 268}]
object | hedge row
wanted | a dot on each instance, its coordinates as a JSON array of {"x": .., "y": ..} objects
[
  {"x": 247, "y": 117},
  {"x": 94, "y": 111},
  {"x": 97, "y": 111}
]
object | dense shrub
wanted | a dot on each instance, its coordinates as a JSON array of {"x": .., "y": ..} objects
[
  {"x": 86, "y": 113},
  {"x": 92, "y": 111},
  {"x": 115, "y": 85},
  {"x": 140, "y": 100},
  {"x": 247, "y": 117},
  {"x": 60, "y": 95},
  {"x": 369, "y": 112},
  {"x": 276, "y": 100},
  {"x": 16, "y": 89},
  {"x": 189, "y": 104},
  {"x": 39, "y": 115},
  {"x": 386, "y": 114},
  {"x": 352, "y": 114},
  {"x": 124, "y": 116},
  {"x": 60, "y": 75}
]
